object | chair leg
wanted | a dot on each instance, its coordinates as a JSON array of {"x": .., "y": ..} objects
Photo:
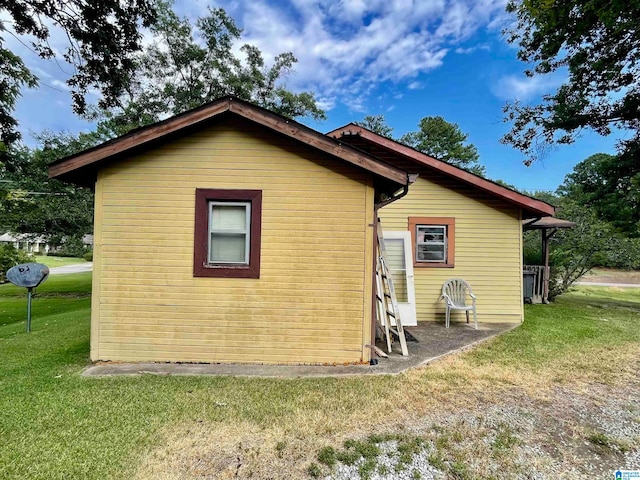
[
  {"x": 475, "y": 317},
  {"x": 447, "y": 318},
  {"x": 467, "y": 312}
]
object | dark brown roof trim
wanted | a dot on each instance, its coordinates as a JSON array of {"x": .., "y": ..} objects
[
  {"x": 532, "y": 205},
  {"x": 147, "y": 135}
]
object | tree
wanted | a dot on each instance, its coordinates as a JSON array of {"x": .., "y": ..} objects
[
  {"x": 611, "y": 186},
  {"x": 575, "y": 251},
  {"x": 102, "y": 38},
  {"x": 445, "y": 141},
  {"x": 179, "y": 70},
  {"x": 33, "y": 204},
  {"x": 436, "y": 137},
  {"x": 598, "y": 43},
  {"x": 377, "y": 124},
  {"x": 185, "y": 67}
]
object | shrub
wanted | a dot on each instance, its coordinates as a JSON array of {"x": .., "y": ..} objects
[
  {"x": 72, "y": 247},
  {"x": 10, "y": 256},
  {"x": 88, "y": 256}
]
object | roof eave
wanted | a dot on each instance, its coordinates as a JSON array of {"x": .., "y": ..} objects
[
  {"x": 83, "y": 166},
  {"x": 531, "y": 207}
]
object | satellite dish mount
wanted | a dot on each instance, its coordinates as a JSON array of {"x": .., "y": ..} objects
[{"x": 28, "y": 275}]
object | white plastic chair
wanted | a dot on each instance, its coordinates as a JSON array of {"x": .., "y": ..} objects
[{"x": 454, "y": 293}]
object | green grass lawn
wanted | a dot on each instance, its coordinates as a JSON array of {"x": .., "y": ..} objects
[
  {"x": 56, "y": 424},
  {"x": 52, "y": 262}
]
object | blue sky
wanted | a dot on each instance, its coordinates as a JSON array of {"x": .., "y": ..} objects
[{"x": 400, "y": 58}]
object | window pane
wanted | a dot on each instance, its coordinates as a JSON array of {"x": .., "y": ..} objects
[
  {"x": 430, "y": 253},
  {"x": 228, "y": 248},
  {"x": 397, "y": 266},
  {"x": 395, "y": 253},
  {"x": 228, "y": 217},
  {"x": 431, "y": 234}
]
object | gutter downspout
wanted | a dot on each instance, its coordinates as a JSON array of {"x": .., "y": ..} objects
[{"x": 374, "y": 304}]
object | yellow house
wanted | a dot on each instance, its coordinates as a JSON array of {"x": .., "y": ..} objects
[
  {"x": 232, "y": 234},
  {"x": 456, "y": 225}
]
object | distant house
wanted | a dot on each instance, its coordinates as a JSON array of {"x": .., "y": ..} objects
[
  {"x": 38, "y": 245},
  {"x": 232, "y": 234},
  {"x": 27, "y": 243}
]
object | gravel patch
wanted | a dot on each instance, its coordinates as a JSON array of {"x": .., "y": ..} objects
[
  {"x": 385, "y": 469},
  {"x": 523, "y": 438}
]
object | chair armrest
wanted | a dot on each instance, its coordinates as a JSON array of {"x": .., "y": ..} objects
[
  {"x": 472, "y": 295},
  {"x": 446, "y": 298}
]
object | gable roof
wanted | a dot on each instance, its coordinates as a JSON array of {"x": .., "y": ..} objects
[
  {"x": 396, "y": 153},
  {"x": 81, "y": 168}
]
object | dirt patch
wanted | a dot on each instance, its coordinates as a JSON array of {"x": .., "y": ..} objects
[{"x": 610, "y": 275}]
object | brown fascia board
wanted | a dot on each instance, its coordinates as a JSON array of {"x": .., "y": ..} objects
[
  {"x": 531, "y": 206},
  {"x": 147, "y": 136}
]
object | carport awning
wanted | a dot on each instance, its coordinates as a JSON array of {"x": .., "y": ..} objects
[{"x": 546, "y": 222}]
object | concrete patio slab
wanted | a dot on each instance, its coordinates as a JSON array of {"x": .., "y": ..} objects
[{"x": 434, "y": 342}]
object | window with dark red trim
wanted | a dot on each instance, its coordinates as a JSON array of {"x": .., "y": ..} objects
[
  {"x": 433, "y": 241},
  {"x": 228, "y": 226}
]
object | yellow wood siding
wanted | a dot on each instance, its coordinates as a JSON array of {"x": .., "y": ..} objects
[
  {"x": 487, "y": 248},
  {"x": 312, "y": 302}
]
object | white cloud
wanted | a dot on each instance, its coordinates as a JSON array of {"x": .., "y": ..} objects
[
  {"x": 346, "y": 48},
  {"x": 60, "y": 85},
  {"x": 475, "y": 48},
  {"x": 512, "y": 87}
]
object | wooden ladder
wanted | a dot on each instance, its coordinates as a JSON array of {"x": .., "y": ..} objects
[{"x": 387, "y": 308}]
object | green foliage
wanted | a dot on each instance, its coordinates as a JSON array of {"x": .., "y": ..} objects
[
  {"x": 102, "y": 37},
  {"x": 327, "y": 456},
  {"x": 444, "y": 141},
  {"x": 377, "y": 124},
  {"x": 597, "y": 42},
  {"x": 505, "y": 438},
  {"x": 88, "y": 256},
  {"x": 314, "y": 471},
  {"x": 9, "y": 257},
  {"x": 186, "y": 66},
  {"x": 38, "y": 206},
  {"x": 602, "y": 206},
  {"x": 408, "y": 447},
  {"x": 622, "y": 253},
  {"x": 72, "y": 247},
  {"x": 575, "y": 251},
  {"x": 365, "y": 453},
  {"x": 437, "y": 137},
  {"x": 611, "y": 186},
  {"x": 14, "y": 76}
]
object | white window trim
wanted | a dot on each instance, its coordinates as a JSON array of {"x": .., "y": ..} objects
[{"x": 443, "y": 243}]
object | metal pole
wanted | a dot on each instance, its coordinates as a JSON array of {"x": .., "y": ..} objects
[{"x": 29, "y": 310}]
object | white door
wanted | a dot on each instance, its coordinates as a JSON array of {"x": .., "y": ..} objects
[{"x": 398, "y": 246}]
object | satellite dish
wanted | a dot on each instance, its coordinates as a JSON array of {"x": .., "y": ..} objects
[{"x": 28, "y": 275}]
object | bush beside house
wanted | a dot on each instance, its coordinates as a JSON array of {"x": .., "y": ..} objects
[{"x": 9, "y": 257}]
